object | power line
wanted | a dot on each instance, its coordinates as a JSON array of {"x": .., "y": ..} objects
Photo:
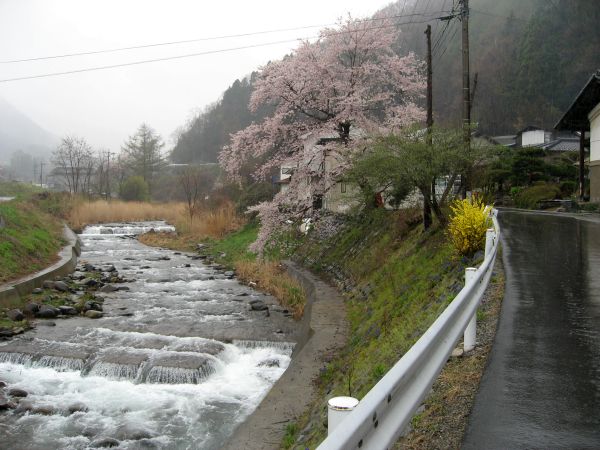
[
  {"x": 189, "y": 55},
  {"x": 204, "y": 39}
]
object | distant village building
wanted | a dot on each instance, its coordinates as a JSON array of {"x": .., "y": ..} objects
[
  {"x": 535, "y": 137},
  {"x": 583, "y": 116}
]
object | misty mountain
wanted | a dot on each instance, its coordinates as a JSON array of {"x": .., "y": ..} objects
[{"x": 19, "y": 132}]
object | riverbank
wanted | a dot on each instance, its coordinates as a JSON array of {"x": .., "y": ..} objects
[{"x": 30, "y": 237}]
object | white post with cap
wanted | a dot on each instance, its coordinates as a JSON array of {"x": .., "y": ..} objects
[{"x": 337, "y": 409}]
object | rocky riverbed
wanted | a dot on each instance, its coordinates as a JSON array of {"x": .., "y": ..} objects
[{"x": 140, "y": 347}]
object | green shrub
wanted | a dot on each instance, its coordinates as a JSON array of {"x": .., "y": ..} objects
[
  {"x": 529, "y": 197},
  {"x": 135, "y": 188},
  {"x": 568, "y": 188}
]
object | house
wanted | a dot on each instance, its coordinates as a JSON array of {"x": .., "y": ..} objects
[
  {"x": 584, "y": 116},
  {"x": 319, "y": 166}
]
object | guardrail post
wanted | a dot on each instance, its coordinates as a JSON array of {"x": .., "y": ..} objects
[
  {"x": 490, "y": 235},
  {"x": 470, "y": 334},
  {"x": 337, "y": 409}
]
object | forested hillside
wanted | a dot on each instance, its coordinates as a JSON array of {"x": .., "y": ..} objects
[{"x": 520, "y": 77}]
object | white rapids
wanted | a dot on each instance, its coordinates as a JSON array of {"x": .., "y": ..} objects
[{"x": 179, "y": 371}]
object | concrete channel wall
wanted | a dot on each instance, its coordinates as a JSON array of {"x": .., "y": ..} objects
[
  {"x": 14, "y": 291},
  {"x": 322, "y": 331}
]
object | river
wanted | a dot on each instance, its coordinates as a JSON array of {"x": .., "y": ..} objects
[{"x": 177, "y": 362}]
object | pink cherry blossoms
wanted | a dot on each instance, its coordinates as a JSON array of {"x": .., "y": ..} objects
[{"x": 349, "y": 82}]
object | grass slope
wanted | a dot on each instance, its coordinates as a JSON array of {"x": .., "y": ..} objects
[
  {"x": 398, "y": 280},
  {"x": 30, "y": 238}
]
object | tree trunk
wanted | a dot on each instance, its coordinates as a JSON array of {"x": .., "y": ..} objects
[{"x": 425, "y": 191}]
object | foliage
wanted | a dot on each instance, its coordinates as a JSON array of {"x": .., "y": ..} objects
[
  {"x": 350, "y": 78},
  {"x": 134, "y": 188},
  {"x": 530, "y": 196},
  {"x": 468, "y": 224},
  {"x": 15, "y": 188},
  {"x": 141, "y": 154}
]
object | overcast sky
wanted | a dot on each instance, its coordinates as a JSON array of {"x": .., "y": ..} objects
[{"x": 107, "y": 106}]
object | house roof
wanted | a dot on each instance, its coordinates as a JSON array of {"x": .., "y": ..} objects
[
  {"x": 562, "y": 144},
  {"x": 576, "y": 117},
  {"x": 507, "y": 141},
  {"x": 529, "y": 128}
]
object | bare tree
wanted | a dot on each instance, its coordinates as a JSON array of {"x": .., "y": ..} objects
[
  {"x": 74, "y": 163},
  {"x": 191, "y": 182}
]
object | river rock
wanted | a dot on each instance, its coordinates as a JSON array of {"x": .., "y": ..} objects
[
  {"x": 229, "y": 274},
  {"x": 6, "y": 333},
  {"x": 18, "y": 330},
  {"x": 5, "y": 403},
  {"x": 77, "y": 407},
  {"x": 48, "y": 284},
  {"x": 90, "y": 282},
  {"x": 105, "y": 442},
  {"x": 16, "y": 392},
  {"x": 47, "y": 323},
  {"x": 37, "y": 291},
  {"x": 67, "y": 310},
  {"x": 2, "y": 385},
  {"x": 24, "y": 406},
  {"x": 109, "y": 268},
  {"x": 271, "y": 362},
  {"x": 92, "y": 306},
  {"x": 61, "y": 286},
  {"x": 44, "y": 410},
  {"x": 15, "y": 315},
  {"x": 258, "y": 306},
  {"x": 123, "y": 288},
  {"x": 89, "y": 267},
  {"x": 46, "y": 312},
  {"x": 93, "y": 314},
  {"x": 108, "y": 288},
  {"x": 128, "y": 433}
]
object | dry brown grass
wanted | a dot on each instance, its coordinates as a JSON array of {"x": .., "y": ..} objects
[
  {"x": 271, "y": 277},
  {"x": 207, "y": 223}
]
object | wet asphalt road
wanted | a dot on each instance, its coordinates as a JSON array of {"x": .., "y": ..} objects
[{"x": 541, "y": 388}]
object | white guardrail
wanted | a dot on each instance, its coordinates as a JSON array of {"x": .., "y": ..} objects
[{"x": 381, "y": 416}]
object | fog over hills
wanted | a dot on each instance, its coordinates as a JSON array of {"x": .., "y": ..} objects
[{"x": 19, "y": 132}]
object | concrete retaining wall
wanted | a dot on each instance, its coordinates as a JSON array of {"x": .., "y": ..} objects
[{"x": 14, "y": 291}]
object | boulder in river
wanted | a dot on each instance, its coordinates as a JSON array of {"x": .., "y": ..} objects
[
  {"x": 61, "y": 286},
  {"x": 77, "y": 407},
  {"x": 48, "y": 284},
  {"x": 15, "y": 315},
  {"x": 105, "y": 442},
  {"x": 37, "y": 291},
  {"x": 67, "y": 310},
  {"x": 108, "y": 288},
  {"x": 258, "y": 306},
  {"x": 16, "y": 392},
  {"x": 46, "y": 312},
  {"x": 5, "y": 403},
  {"x": 92, "y": 314}
]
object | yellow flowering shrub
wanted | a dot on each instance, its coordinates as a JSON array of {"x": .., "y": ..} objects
[{"x": 469, "y": 220}]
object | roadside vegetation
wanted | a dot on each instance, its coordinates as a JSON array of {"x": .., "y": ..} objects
[{"x": 396, "y": 279}]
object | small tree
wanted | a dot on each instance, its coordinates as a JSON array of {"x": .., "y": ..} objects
[
  {"x": 134, "y": 188},
  {"x": 191, "y": 183},
  {"x": 142, "y": 153}
]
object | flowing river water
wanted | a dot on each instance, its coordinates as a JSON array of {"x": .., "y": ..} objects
[{"x": 178, "y": 360}]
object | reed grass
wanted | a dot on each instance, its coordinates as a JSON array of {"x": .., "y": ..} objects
[{"x": 213, "y": 223}]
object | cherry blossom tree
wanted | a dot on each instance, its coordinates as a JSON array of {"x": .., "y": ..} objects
[{"x": 350, "y": 79}]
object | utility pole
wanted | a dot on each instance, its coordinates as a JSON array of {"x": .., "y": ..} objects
[
  {"x": 464, "y": 17},
  {"x": 108, "y": 194},
  {"x": 34, "y": 173},
  {"x": 429, "y": 85},
  {"x": 41, "y": 174}
]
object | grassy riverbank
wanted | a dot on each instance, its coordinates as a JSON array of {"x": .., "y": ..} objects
[
  {"x": 30, "y": 237},
  {"x": 397, "y": 280}
]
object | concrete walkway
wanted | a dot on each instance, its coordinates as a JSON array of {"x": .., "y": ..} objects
[
  {"x": 541, "y": 388},
  {"x": 324, "y": 330}
]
